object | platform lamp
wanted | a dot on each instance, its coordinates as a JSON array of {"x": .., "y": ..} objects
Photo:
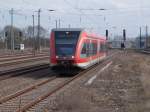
[
  {"x": 103, "y": 9},
  {"x": 51, "y": 10}
]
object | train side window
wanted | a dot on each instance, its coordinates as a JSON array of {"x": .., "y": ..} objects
[
  {"x": 93, "y": 49},
  {"x": 103, "y": 47},
  {"x": 84, "y": 51},
  {"x": 99, "y": 47},
  {"x": 88, "y": 49}
]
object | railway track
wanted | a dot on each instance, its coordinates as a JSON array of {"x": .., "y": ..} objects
[
  {"x": 20, "y": 54},
  {"x": 28, "y": 89},
  {"x": 58, "y": 87},
  {"x": 21, "y": 71},
  {"x": 146, "y": 52},
  {"x": 14, "y": 62},
  {"x": 20, "y": 57},
  {"x": 3, "y": 55},
  {"x": 27, "y": 98}
]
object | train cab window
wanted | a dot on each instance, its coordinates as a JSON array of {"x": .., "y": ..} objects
[
  {"x": 65, "y": 43},
  {"x": 84, "y": 51}
]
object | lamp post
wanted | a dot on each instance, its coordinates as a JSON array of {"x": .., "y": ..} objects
[
  {"x": 107, "y": 31},
  {"x": 102, "y": 9},
  {"x": 51, "y": 10}
]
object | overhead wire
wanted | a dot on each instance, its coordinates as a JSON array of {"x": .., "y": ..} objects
[{"x": 82, "y": 13}]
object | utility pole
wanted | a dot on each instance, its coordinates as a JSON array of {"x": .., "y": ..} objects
[
  {"x": 56, "y": 23},
  {"x": 38, "y": 34},
  {"x": 69, "y": 26},
  {"x": 140, "y": 37},
  {"x": 33, "y": 25},
  {"x": 6, "y": 38},
  {"x": 33, "y": 36},
  {"x": 12, "y": 32},
  {"x": 59, "y": 23},
  {"x": 80, "y": 20},
  {"x": 146, "y": 29}
]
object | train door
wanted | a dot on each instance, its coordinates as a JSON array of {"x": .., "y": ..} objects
[{"x": 90, "y": 52}]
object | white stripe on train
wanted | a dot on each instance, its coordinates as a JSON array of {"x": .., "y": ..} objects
[
  {"x": 90, "y": 63},
  {"x": 86, "y": 64}
]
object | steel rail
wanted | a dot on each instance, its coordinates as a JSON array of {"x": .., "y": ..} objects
[
  {"x": 59, "y": 87},
  {"x": 21, "y": 57},
  {"x": 22, "y": 61},
  {"x": 28, "y": 89},
  {"x": 21, "y": 71},
  {"x": 20, "y": 54}
]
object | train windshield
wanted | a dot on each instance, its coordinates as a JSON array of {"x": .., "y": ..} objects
[{"x": 66, "y": 42}]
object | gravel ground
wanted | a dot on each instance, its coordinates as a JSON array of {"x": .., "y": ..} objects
[
  {"x": 123, "y": 87},
  {"x": 14, "y": 104},
  {"x": 15, "y": 84}
]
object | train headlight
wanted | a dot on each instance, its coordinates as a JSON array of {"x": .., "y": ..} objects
[
  {"x": 57, "y": 57},
  {"x": 72, "y": 57}
]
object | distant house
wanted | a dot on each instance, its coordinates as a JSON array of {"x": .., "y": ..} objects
[{"x": 17, "y": 33}]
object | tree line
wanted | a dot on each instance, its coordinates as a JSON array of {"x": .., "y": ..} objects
[{"x": 23, "y": 36}]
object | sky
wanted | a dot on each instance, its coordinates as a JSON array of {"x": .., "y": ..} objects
[{"x": 118, "y": 14}]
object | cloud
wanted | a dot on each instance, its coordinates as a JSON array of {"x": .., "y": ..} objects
[
  {"x": 126, "y": 3},
  {"x": 122, "y": 13}
]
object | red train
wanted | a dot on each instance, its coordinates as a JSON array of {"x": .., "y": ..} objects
[{"x": 74, "y": 47}]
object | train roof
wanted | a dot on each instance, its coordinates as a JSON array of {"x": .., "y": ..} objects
[
  {"x": 79, "y": 29},
  {"x": 68, "y": 29}
]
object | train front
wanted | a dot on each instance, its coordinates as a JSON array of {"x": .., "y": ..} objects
[{"x": 63, "y": 44}]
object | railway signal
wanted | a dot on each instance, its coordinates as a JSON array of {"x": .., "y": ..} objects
[
  {"x": 20, "y": 34},
  {"x": 106, "y": 34},
  {"x": 6, "y": 34},
  {"x": 124, "y": 34}
]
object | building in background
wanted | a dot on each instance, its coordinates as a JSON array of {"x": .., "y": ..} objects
[
  {"x": 145, "y": 42},
  {"x": 116, "y": 42}
]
